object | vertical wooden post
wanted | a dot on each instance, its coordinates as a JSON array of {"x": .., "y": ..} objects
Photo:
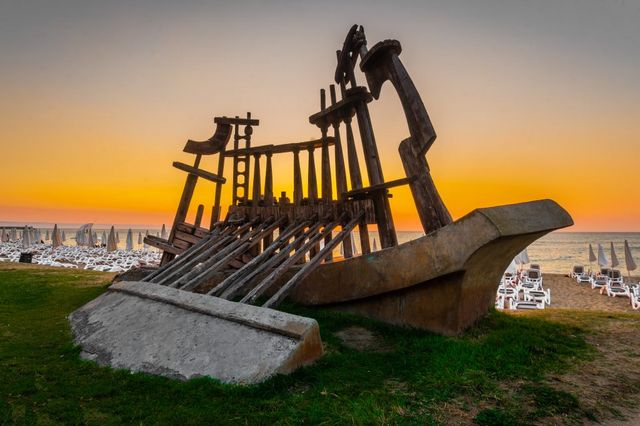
[
  {"x": 268, "y": 182},
  {"x": 183, "y": 208},
  {"x": 215, "y": 212},
  {"x": 268, "y": 195},
  {"x": 297, "y": 178},
  {"x": 199, "y": 213},
  {"x": 313, "y": 181},
  {"x": 257, "y": 190},
  {"x": 341, "y": 175},
  {"x": 384, "y": 219}
]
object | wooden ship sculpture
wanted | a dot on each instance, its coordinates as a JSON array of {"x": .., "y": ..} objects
[{"x": 239, "y": 269}]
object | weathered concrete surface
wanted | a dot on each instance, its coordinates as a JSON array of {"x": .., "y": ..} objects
[
  {"x": 146, "y": 327},
  {"x": 444, "y": 281}
]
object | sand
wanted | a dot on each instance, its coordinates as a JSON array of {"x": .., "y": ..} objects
[{"x": 567, "y": 294}]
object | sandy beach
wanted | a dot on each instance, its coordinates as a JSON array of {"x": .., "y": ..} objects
[{"x": 567, "y": 294}]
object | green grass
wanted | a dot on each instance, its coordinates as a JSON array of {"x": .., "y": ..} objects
[{"x": 499, "y": 365}]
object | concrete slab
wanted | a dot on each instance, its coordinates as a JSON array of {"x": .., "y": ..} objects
[{"x": 159, "y": 330}]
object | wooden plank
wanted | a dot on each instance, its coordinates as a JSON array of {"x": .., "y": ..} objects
[
  {"x": 181, "y": 244},
  {"x": 304, "y": 272},
  {"x": 237, "y": 121},
  {"x": 190, "y": 238},
  {"x": 278, "y": 149},
  {"x": 199, "y": 213},
  {"x": 312, "y": 185},
  {"x": 367, "y": 191},
  {"x": 198, "y": 172},
  {"x": 263, "y": 286},
  {"x": 232, "y": 284},
  {"x": 297, "y": 179},
  {"x": 162, "y": 245}
]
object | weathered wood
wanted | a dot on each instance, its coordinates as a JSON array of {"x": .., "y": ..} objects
[
  {"x": 257, "y": 189},
  {"x": 214, "y": 144},
  {"x": 312, "y": 186},
  {"x": 431, "y": 210},
  {"x": 201, "y": 254},
  {"x": 352, "y": 156},
  {"x": 193, "y": 251},
  {"x": 215, "y": 211},
  {"x": 181, "y": 214},
  {"x": 199, "y": 214},
  {"x": 192, "y": 229},
  {"x": 304, "y": 272},
  {"x": 161, "y": 244},
  {"x": 188, "y": 237},
  {"x": 280, "y": 148},
  {"x": 236, "y": 121},
  {"x": 370, "y": 190},
  {"x": 297, "y": 179},
  {"x": 197, "y": 274},
  {"x": 228, "y": 254},
  {"x": 263, "y": 286},
  {"x": 284, "y": 250},
  {"x": 228, "y": 282},
  {"x": 268, "y": 182},
  {"x": 199, "y": 172}
]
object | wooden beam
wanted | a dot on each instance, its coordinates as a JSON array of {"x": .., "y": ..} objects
[
  {"x": 278, "y": 149},
  {"x": 198, "y": 172},
  {"x": 370, "y": 190},
  {"x": 236, "y": 121},
  {"x": 297, "y": 179},
  {"x": 304, "y": 272}
]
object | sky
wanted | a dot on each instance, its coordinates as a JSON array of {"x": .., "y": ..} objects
[{"x": 530, "y": 100}]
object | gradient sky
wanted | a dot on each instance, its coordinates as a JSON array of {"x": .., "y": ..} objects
[{"x": 530, "y": 99}]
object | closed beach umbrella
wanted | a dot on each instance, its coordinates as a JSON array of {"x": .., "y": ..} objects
[
  {"x": 103, "y": 239},
  {"x": 375, "y": 244},
  {"x": 46, "y": 236},
  {"x": 146, "y": 234},
  {"x": 56, "y": 238},
  {"x": 129, "y": 246},
  {"x": 139, "y": 238},
  {"x": 163, "y": 233},
  {"x": 64, "y": 236},
  {"x": 117, "y": 238},
  {"x": 14, "y": 234},
  {"x": 524, "y": 256},
  {"x": 90, "y": 239},
  {"x": 602, "y": 258},
  {"x": 26, "y": 238},
  {"x": 111, "y": 240},
  {"x": 592, "y": 256},
  {"x": 614, "y": 258},
  {"x": 512, "y": 268},
  {"x": 628, "y": 258}
]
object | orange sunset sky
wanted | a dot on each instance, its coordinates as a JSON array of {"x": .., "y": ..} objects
[{"x": 530, "y": 99}]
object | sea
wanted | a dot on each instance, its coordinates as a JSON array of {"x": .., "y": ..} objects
[{"x": 556, "y": 252}]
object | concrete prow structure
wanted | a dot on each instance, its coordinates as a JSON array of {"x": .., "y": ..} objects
[
  {"x": 443, "y": 281},
  {"x": 159, "y": 330}
]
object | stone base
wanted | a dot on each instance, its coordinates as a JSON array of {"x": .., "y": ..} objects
[{"x": 159, "y": 330}]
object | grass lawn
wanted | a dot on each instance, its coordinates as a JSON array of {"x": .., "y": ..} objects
[{"x": 510, "y": 369}]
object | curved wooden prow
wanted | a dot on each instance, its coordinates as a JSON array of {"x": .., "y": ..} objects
[{"x": 214, "y": 144}]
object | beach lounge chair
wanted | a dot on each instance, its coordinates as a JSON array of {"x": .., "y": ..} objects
[
  {"x": 525, "y": 304},
  {"x": 499, "y": 302},
  {"x": 615, "y": 285},
  {"x": 539, "y": 296},
  {"x": 634, "y": 295},
  {"x": 599, "y": 281},
  {"x": 533, "y": 280},
  {"x": 577, "y": 272}
]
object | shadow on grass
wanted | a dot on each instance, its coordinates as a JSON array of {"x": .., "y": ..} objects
[{"x": 500, "y": 363}]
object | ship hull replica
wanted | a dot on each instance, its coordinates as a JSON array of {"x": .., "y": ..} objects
[{"x": 197, "y": 315}]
